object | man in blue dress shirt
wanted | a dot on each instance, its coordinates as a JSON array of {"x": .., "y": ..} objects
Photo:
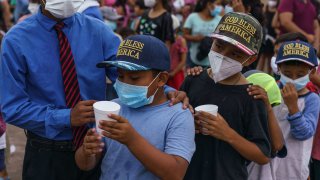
[{"x": 32, "y": 90}]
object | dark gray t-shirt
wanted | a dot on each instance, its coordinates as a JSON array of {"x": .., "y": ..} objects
[{"x": 215, "y": 159}]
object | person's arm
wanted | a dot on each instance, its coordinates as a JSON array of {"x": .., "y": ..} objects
[
  {"x": 183, "y": 58},
  {"x": 287, "y": 22},
  {"x": 6, "y": 13},
  {"x": 187, "y": 30},
  {"x": 163, "y": 165},
  {"x": 90, "y": 153},
  {"x": 193, "y": 38},
  {"x": 20, "y": 110},
  {"x": 303, "y": 124},
  {"x": 217, "y": 127},
  {"x": 276, "y": 136}
]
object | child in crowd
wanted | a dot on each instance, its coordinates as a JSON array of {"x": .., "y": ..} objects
[
  {"x": 149, "y": 139},
  {"x": 226, "y": 143},
  {"x": 139, "y": 10},
  {"x": 299, "y": 114},
  {"x": 266, "y": 88},
  {"x": 157, "y": 21},
  {"x": 284, "y": 38},
  {"x": 178, "y": 54}
]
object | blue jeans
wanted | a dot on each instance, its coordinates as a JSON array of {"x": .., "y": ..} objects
[{"x": 21, "y": 9}]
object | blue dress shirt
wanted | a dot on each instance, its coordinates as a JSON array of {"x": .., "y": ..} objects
[{"x": 31, "y": 91}]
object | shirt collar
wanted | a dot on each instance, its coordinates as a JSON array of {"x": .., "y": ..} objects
[{"x": 49, "y": 24}]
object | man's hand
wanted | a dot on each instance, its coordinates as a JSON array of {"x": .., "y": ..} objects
[
  {"x": 215, "y": 126},
  {"x": 121, "y": 130},
  {"x": 195, "y": 71},
  {"x": 92, "y": 144},
  {"x": 82, "y": 113},
  {"x": 259, "y": 93},
  {"x": 180, "y": 96},
  {"x": 290, "y": 98}
]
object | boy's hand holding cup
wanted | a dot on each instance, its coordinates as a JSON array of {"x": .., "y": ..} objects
[
  {"x": 102, "y": 110},
  {"x": 210, "y": 109},
  {"x": 92, "y": 144}
]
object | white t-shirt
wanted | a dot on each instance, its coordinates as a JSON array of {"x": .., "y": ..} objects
[{"x": 3, "y": 141}]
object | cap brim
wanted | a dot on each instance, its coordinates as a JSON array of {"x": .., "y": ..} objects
[
  {"x": 234, "y": 42},
  {"x": 295, "y": 59},
  {"x": 123, "y": 65}
]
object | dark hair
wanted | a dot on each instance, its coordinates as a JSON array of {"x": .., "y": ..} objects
[
  {"x": 256, "y": 9},
  {"x": 291, "y": 37},
  {"x": 202, "y": 4},
  {"x": 155, "y": 72},
  {"x": 122, "y": 3},
  {"x": 166, "y": 5},
  {"x": 126, "y": 32},
  {"x": 140, "y": 4},
  {"x": 294, "y": 63}
]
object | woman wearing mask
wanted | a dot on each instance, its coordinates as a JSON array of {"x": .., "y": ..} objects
[
  {"x": 199, "y": 25},
  {"x": 157, "y": 21}
]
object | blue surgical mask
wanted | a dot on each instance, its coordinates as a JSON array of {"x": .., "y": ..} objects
[
  {"x": 134, "y": 96},
  {"x": 228, "y": 9},
  {"x": 299, "y": 83},
  {"x": 216, "y": 11}
]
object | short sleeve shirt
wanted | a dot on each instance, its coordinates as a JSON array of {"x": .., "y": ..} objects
[
  {"x": 160, "y": 27},
  {"x": 169, "y": 129},
  {"x": 215, "y": 159}
]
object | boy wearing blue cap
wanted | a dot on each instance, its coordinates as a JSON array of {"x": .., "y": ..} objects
[
  {"x": 149, "y": 139},
  {"x": 299, "y": 114}
]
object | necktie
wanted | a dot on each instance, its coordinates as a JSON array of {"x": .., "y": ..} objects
[{"x": 70, "y": 81}]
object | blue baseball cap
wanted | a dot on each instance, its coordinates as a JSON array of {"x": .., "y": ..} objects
[
  {"x": 297, "y": 51},
  {"x": 141, "y": 53}
]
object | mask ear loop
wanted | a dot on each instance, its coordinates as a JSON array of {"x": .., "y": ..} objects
[
  {"x": 152, "y": 83},
  {"x": 246, "y": 61}
]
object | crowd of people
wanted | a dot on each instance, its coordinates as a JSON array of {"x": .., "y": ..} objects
[{"x": 255, "y": 60}]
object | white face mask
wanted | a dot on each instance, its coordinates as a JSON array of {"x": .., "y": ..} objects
[
  {"x": 150, "y": 3},
  {"x": 62, "y": 9},
  {"x": 223, "y": 67}
]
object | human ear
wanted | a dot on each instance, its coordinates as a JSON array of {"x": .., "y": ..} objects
[{"x": 163, "y": 79}]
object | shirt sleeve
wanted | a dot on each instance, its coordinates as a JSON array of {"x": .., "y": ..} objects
[
  {"x": 189, "y": 22},
  {"x": 17, "y": 107},
  {"x": 303, "y": 124},
  {"x": 110, "y": 47},
  {"x": 168, "y": 28},
  {"x": 286, "y": 6},
  {"x": 256, "y": 126},
  {"x": 180, "y": 136}
]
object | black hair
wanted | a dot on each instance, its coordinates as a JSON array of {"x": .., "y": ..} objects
[
  {"x": 155, "y": 72},
  {"x": 166, "y": 5},
  {"x": 256, "y": 9},
  {"x": 140, "y": 4},
  {"x": 122, "y": 3},
  {"x": 202, "y": 4},
  {"x": 294, "y": 63},
  {"x": 291, "y": 37},
  {"x": 126, "y": 32}
]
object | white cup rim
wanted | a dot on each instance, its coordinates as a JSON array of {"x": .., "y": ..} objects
[{"x": 106, "y": 107}]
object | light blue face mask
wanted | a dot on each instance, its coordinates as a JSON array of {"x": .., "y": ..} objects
[
  {"x": 228, "y": 9},
  {"x": 216, "y": 11},
  {"x": 299, "y": 83},
  {"x": 134, "y": 96}
]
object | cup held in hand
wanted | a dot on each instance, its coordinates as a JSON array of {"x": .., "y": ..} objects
[
  {"x": 101, "y": 111},
  {"x": 209, "y": 108}
]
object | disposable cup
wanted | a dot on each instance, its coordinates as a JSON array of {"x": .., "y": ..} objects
[
  {"x": 102, "y": 109},
  {"x": 209, "y": 108}
]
